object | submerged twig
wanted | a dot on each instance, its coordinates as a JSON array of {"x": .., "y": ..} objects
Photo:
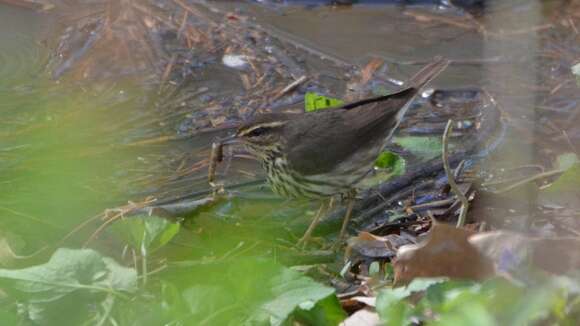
[
  {"x": 530, "y": 179},
  {"x": 451, "y": 177},
  {"x": 290, "y": 87}
]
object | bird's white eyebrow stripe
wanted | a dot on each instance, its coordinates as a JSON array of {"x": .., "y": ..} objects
[{"x": 263, "y": 125}]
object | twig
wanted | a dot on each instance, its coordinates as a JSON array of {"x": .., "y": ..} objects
[
  {"x": 167, "y": 72},
  {"x": 289, "y": 88},
  {"x": 118, "y": 214},
  {"x": 172, "y": 210},
  {"x": 436, "y": 203},
  {"x": 195, "y": 12},
  {"x": 530, "y": 179},
  {"x": 451, "y": 178}
]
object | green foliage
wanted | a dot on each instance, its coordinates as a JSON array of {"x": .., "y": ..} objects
[
  {"x": 237, "y": 292},
  {"x": 9, "y": 317},
  {"x": 494, "y": 302},
  {"x": 149, "y": 232},
  {"x": 392, "y": 162},
  {"x": 314, "y": 102},
  {"x": 70, "y": 280},
  {"x": 290, "y": 291},
  {"x": 392, "y": 306}
]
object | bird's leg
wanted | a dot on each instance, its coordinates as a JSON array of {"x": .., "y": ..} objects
[
  {"x": 351, "y": 197},
  {"x": 215, "y": 157},
  {"x": 323, "y": 207}
]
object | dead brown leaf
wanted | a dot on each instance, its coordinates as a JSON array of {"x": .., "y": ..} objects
[{"x": 445, "y": 253}]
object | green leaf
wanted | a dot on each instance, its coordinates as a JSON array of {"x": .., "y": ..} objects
[
  {"x": 314, "y": 102},
  {"x": 290, "y": 291},
  {"x": 71, "y": 278},
  {"x": 387, "y": 166},
  {"x": 470, "y": 314},
  {"x": 392, "y": 306},
  {"x": 423, "y": 147},
  {"x": 438, "y": 294},
  {"x": 150, "y": 232},
  {"x": 392, "y": 162},
  {"x": 325, "y": 312},
  {"x": 201, "y": 299},
  {"x": 9, "y": 317}
]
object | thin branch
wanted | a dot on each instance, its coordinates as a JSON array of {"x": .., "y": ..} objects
[
  {"x": 530, "y": 179},
  {"x": 451, "y": 178}
]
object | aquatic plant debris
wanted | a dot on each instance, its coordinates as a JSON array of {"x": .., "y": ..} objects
[{"x": 235, "y": 61}]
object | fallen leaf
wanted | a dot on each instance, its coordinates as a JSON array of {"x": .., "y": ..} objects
[
  {"x": 367, "y": 245},
  {"x": 65, "y": 283},
  {"x": 445, "y": 253}
]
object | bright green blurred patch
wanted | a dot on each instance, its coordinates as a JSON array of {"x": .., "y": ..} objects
[
  {"x": 387, "y": 165},
  {"x": 494, "y": 302},
  {"x": 239, "y": 291},
  {"x": 392, "y": 306},
  {"x": 392, "y": 162},
  {"x": 314, "y": 101},
  {"x": 146, "y": 232},
  {"x": 63, "y": 289}
]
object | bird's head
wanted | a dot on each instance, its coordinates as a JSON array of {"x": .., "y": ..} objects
[{"x": 262, "y": 134}]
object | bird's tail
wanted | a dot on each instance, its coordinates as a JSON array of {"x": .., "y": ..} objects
[
  {"x": 427, "y": 73},
  {"x": 415, "y": 84},
  {"x": 411, "y": 87}
]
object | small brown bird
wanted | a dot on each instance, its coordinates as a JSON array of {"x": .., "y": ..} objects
[{"x": 328, "y": 152}]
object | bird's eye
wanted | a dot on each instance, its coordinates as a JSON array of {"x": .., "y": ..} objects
[{"x": 257, "y": 132}]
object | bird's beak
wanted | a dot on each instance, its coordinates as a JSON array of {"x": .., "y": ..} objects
[{"x": 231, "y": 140}]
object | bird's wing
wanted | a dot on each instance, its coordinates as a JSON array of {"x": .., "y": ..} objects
[{"x": 318, "y": 141}]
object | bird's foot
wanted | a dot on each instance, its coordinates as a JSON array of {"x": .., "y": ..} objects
[{"x": 217, "y": 189}]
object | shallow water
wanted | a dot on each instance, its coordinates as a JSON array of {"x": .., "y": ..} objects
[{"x": 56, "y": 158}]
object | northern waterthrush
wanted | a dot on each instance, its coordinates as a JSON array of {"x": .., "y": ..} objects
[{"x": 328, "y": 152}]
